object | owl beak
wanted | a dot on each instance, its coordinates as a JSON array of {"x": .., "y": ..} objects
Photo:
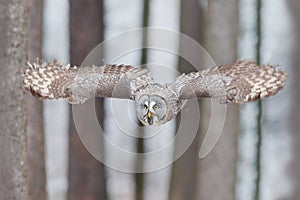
[{"x": 150, "y": 118}]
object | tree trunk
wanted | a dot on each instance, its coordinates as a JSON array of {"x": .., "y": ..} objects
[
  {"x": 139, "y": 177},
  {"x": 86, "y": 174},
  {"x": 294, "y": 118},
  {"x": 217, "y": 172},
  {"x": 183, "y": 179},
  {"x": 35, "y": 128},
  {"x": 259, "y": 105},
  {"x": 13, "y": 136}
]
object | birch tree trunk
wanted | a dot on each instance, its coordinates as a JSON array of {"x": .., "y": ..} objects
[
  {"x": 35, "y": 128},
  {"x": 86, "y": 174},
  {"x": 13, "y": 136},
  {"x": 217, "y": 172}
]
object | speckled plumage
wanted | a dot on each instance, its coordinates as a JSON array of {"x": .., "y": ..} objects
[
  {"x": 54, "y": 80},
  {"x": 240, "y": 82}
]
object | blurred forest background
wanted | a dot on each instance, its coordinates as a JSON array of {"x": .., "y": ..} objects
[{"x": 256, "y": 157}]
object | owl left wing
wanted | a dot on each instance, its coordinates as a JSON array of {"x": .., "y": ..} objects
[
  {"x": 54, "y": 80},
  {"x": 240, "y": 82}
]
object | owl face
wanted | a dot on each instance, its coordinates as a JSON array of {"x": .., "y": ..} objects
[{"x": 151, "y": 109}]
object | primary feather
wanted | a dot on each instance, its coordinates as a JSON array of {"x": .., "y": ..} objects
[
  {"x": 240, "y": 82},
  {"x": 53, "y": 80}
]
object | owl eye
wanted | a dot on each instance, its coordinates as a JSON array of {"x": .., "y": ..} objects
[
  {"x": 145, "y": 107},
  {"x": 155, "y": 107}
]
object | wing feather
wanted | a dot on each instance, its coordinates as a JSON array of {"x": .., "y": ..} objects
[
  {"x": 53, "y": 80},
  {"x": 240, "y": 82}
]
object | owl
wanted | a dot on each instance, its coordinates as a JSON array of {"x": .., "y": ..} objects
[{"x": 156, "y": 103}]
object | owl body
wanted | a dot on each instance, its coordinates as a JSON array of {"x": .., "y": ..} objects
[{"x": 156, "y": 103}]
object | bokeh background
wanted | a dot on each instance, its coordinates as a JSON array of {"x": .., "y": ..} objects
[{"x": 256, "y": 156}]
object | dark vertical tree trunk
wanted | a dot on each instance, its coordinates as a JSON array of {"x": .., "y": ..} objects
[
  {"x": 139, "y": 177},
  {"x": 13, "y": 136},
  {"x": 294, "y": 117},
  {"x": 217, "y": 172},
  {"x": 86, "y": 174},
  {"x": 35, "y": 128},
  {"x": 183, "y": 179},
  {"x": 259, "y": 105}
]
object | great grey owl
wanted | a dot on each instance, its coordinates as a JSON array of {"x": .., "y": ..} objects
[{"x": 156, "y": 103}]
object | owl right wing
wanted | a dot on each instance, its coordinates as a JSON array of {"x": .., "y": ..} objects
[
  {"x": 54, "y": 80},
  {"x": 240, "y": 82}
]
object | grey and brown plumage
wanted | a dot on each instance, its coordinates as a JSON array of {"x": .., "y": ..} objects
[
  {"x": 156, "y": 103},
  {"x": 240, "y": 82},
  {"x": 53, "y": 80}
]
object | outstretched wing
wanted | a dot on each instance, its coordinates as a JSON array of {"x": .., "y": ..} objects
[
  {"x": 241, "y": 82},
  {"x": 54, "y": 80}
]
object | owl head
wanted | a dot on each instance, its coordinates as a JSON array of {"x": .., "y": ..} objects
[
  {"x": 156, "y": 104},
  {"x": 151, "y": 109}
]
